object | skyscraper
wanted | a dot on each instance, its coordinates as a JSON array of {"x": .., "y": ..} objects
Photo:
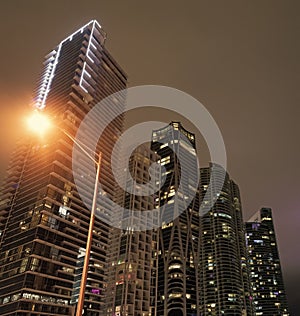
[
  {"x": 178, "y": 254},
  {"x": 45, "y": 223},
  {"x": 224, "y": 280},
  {"x": 133, "y": 251},
  {"x": 269, "y": 295}
]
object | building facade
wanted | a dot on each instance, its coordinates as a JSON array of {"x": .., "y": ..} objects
[
  {"x": 224, "y": 279},
  {"x": 44, "y": 222},
  {"x": 133, "y": 251},
  {"x": 178, "y": 254},
  {"x": 269, "y": 295}
]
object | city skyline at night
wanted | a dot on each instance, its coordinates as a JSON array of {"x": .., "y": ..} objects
[{"x": 240, "y": 62}]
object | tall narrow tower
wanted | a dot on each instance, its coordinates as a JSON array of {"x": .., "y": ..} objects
[
  {"x": 178, "y": 255},
  {"x": 133, "y": 251},
  {"x": 224, "y": 281},
  {"x": 45, "y": 224},
  {"x": 265, "y": 269}
]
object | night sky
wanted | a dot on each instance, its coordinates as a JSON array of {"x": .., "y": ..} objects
[{"x": 240, "y": 59}]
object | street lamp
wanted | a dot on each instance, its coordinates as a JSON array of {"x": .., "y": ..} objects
[
  {"x": 39, "y": 123},
  {"x": 89, "y": 240}
]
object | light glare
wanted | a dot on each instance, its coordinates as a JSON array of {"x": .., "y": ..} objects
[{"x": 38, "y": 123}]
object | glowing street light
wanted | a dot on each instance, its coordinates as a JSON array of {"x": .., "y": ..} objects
[{"x": 39, "y": 124}]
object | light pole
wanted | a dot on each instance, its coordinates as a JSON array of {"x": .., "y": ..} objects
[
  {"x": 39, "y": 123},
  {"x": 89, "y": 241}
]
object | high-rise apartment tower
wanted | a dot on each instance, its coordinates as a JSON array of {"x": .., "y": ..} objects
[
  {"x": 178, "y": 254},
  {"x": 269, "y": 296},
  {"x": 45, "y": 223},
  {"x": 224, "y": 278},
  {"x": 132, "y": 275}
]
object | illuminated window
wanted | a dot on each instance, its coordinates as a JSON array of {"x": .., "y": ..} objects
[
  {"x": 63, "y": 212},
  {"x": 23, "y": 225},
  {"x": 163, "y": 146},
  {"x": 165, "y": 160},
  {"x": 175, "y": 295},
  {"x": 34, "y": 264},
  {"x": 174, "y": 266},
  {"x": 23, "y": 265}
]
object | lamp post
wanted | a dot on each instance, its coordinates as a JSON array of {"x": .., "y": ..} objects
[
  {"x": 39, "y": 123},
  {"x": 89, "y": 242}
]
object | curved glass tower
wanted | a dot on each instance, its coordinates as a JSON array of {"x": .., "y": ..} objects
[
  {"x": 225, "y": 287},
  {"x": 178, "y": 259}
]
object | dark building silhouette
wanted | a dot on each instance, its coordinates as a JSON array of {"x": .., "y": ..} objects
[
  {"x": 178, "y": 254},
  {"x": 44, "y": 223},
  {"x": 224, "y": 280},
  {"x": 269, "y": 296},
  {"x": 132, "y": 274}
]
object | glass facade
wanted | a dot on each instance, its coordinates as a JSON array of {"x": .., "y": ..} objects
[
  {"x": 224, "y": 281},
  {"x": 178, "y": 254},
  {"x": 44, "y": 223},
  {"x": 133, "y": 253},
  {"x": 269, "y": 297}
]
